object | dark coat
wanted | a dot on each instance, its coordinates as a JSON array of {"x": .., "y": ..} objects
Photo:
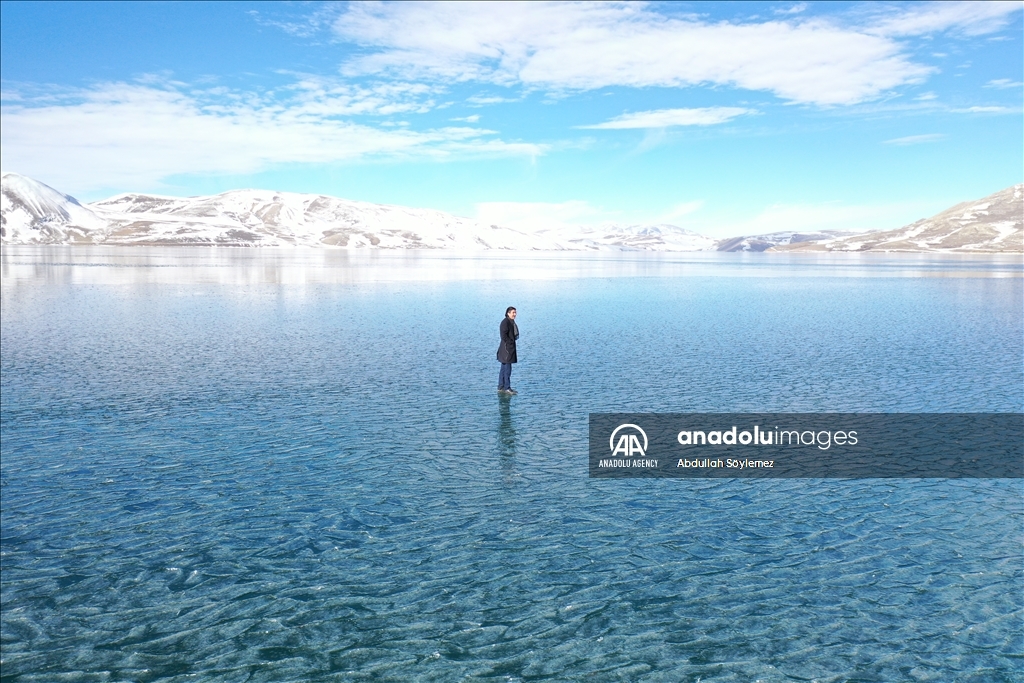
[{"x": 507, "y": 348}]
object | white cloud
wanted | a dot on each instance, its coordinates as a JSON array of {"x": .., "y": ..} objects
[
  {"x": 306, "y": 26},
  {"x": 794, "y": 9},
  {"x": 131, "y": 136},
  {"x": 965, "y": 18},
  {"x": 481, "y": 101},
  {"x": 581, "y": 46},
  {"x": 664, "y": 118},
  {"x": 468, "y": 119},
  {"x": 983, "y": 110},
  {"x": 915, "y": 139},
  {"x": 1003, "y": 84},
  {"x": 332, "y": 97}
]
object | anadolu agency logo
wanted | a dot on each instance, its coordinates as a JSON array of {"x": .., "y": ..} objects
[{"x": 628, "y": 444}]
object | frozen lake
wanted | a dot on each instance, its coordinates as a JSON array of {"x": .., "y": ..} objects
[{"x": 292, "y": 465}]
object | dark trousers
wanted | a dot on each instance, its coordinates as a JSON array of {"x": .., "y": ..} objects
[{"x": 505, "y": 376}]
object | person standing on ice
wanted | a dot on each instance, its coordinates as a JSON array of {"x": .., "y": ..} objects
[{"x": 509, "y": 332}]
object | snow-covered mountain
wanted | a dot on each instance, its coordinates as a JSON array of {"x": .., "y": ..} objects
[
  {"x": 776, "y": 239},
  {"x": 262, "y": 218},
  {"x": 638, "y": 237},
  {"x": 992, "y": 224},
  {"x": 34, "y": 213}
]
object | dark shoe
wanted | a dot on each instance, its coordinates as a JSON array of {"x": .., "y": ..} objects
[{"x": 511, "y": 392}]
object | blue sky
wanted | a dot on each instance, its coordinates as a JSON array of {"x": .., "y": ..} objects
[{"x": 725, "y": 118}]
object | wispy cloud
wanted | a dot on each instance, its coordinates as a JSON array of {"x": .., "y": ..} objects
[
  {"x": 323, "y": 96},
  {"x": 964, "y": 18},
  {"x": 1003, "y": 84},
  {"x": 483, "y": 101},
  {"x": 792, "y": 9},
  {"x": 984, "y": 110},
  {"x": 916, "y": 139},
  {"x": 130, "y": 135},
  {"x": 584, "y": 46},
  {"x": 467, "y": 119},
  {"x": 300, "y": 26},
  {"x": 665, "y": 118}
]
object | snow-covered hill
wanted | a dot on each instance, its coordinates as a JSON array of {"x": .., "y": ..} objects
[
  {"x": 776, "y": 239},
  {"x": 262, "y": 218},
  {"x": 992, "y": 224},
  {"x": 34, "y": 213},
  {"x": 638, "y": 237}
]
